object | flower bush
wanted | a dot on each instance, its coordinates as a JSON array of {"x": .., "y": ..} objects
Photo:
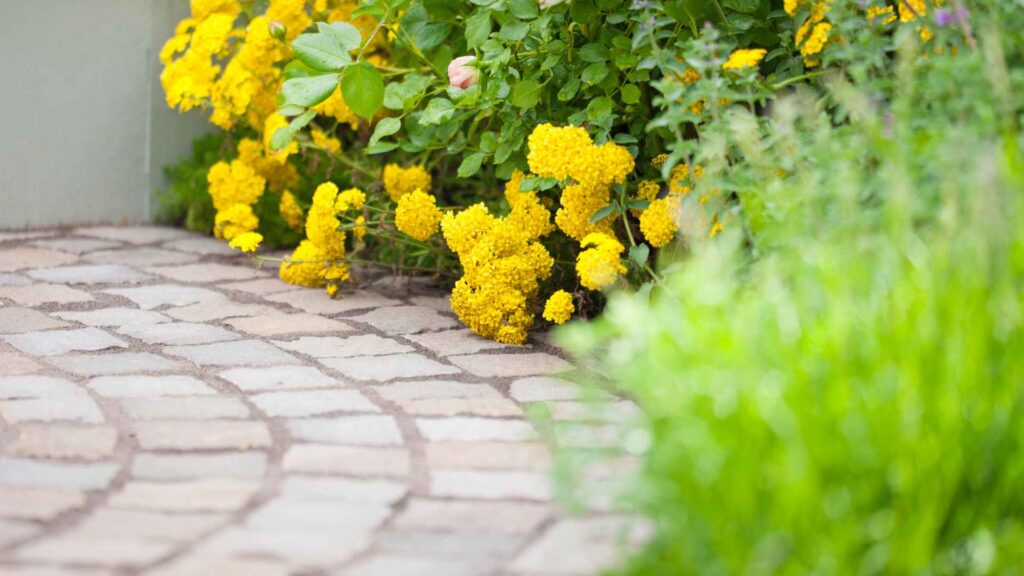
[{"x": 535, "y": 154}]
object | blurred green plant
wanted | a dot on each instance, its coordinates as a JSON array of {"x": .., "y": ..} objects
[
  {"x": 186, "y": 201},
  {"x": 836, "y": 386}
]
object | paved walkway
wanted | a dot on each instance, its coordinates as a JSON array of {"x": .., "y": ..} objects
[{"x": 169, "y": 409}]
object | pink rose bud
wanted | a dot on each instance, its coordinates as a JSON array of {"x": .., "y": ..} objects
[
  {"x": 278, "y": 30},
  {"x": 462, "y": 73}
]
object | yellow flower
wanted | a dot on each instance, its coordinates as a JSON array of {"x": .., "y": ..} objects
[
  {"x": 555, "y": 152},
  {"x": 883, "y": 12},
  {"x": 559, "y": 307},
  {"x": 677, "y": 183},
  {"x": 211, "y": 35},
  {"x": 234, "y": 183},
  {"x": 321, "y": 140},
  {"x": 744, "y": 58},
  {"x": 647, "y": 190},
  {"x": 598, "y": 265},
  {"x": 234, "y": 221},
  {"x": 659, "y": 160},
  {"x": 716, "y": 227},
  {"x": 351, "y": 199},
  {"x": 247, "y": 242},
  {"x": 187, "y": 81},
  {"x": 400, "y": 181},
  {"x": 658, "y": 222},
  {"x": 911, "y": 10},
  {"x": 202, "y": 9},
  {"x": 322, "y": 222},
  {"x": 417, "y": 215},
  {"x": 304, "y": 267},
  {"x": 274, "y": 123},
  {"x": 290, "y": 211},
  {"x": 816, "y": 41},
  {"x": 690, "y": 76}
]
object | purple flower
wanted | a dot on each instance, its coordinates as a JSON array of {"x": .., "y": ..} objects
[{"x": 943, "y": 17}]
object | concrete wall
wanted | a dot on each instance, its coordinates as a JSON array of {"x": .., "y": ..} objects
[{"x": 84, "y": 130}]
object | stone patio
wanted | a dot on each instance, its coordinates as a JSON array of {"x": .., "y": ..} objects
[{"x": 169, "y": 409}]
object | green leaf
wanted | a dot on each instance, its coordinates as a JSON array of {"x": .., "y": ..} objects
[
  {"x": 363, "y": 89},
  {"x": 525, "y": 9},
  {"x": 478, "y": 28},
  {"x": 594, "y": 73},
  {"x": 602, "y": 213},
  {"x": 746, "y": 6},
  {"x": 308, "y": 91},
  {"x": 639, "y": 204},
  {"x": 526, "y": 93},
  {"x": 430, "y": 35},
  {"x": 402, "y": 95},
  {"x": 630, "y": 94},
  {"x": 569, "y": 89},
  {"x": 381, "y": 147},
  {"x": 514, "y": 30},
  {"x": 599, "y": 108},
  {"x": 321, "y": 52},
  {"x": 386, "y": 127},
  {"x": 594, "y": 52},
  {"x": 345, "y": 34},
  {"x": 471, "y": 165},
  {"x": 284, "y": 135},
  {"x": 437, "y": 111},
  {"x": 638, "y": 254}
]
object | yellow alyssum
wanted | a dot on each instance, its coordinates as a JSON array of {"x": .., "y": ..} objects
[
  {"x": 400, "y": 181},
  {"x": 568, "y": 152},
  {"x": 305, "y": 267},
  {"x": 291, "y": 212},
  {"x": 328, "y": 143},
  {"x": 559, "y": 307},
  {"x": 503, "y": 263},
  {"x": 417, "y": 215},
  {"x": 247, "y": 242},
  {"x": 744, "y": 58},
  {"x": 234, "y": 221},
  {"x": 322, "y": 222},
  {"x": 599, "y": 265},
  {"x": 234, "y": 183},
  {"x": 658, "y": 222}
]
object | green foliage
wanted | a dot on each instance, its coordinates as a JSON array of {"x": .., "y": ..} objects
[
  {"x": 186, "y": 201},
  {"x": 834, "y": 384}
]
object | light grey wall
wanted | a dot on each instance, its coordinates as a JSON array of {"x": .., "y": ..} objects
[{"x": 84, "y": 129}]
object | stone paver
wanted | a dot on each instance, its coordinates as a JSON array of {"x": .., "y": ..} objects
[
  {"x": 179, "y": 412},
  {"x": 17, "y": 320},
  {"x": 56, "y": 342},
  {"x": 38, "y": 294},
  {"x": 94, "y": 274},
  {"x": 384, "y": 368},
  {"x": 407, "y": 319},
  {"x": 236, "y": 353},
  {"x": 113, "y": 317}
]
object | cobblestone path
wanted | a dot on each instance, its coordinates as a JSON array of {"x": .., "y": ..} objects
[{"x": 169, "y": 409}]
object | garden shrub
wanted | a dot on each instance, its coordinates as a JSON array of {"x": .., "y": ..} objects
[
  {"x": 833, "y": 385},
  {"x": 555, "y": 141}
]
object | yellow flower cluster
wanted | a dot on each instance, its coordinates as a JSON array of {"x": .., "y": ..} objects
[
  {"x": 744, "y": 58},
  {"x": 559, "y": 307},
  {"x": 234, "y": 183},
  {"x": 569, "y": 153},
  {"x": 813, "y": 34},
  {"x": 659, "y": 222},
  {"x": 291, "y": 212},
  {"x": 247, "y": 242},
  {"x": 400, "y": 181},
  {"x": 599, "y": 265},
  {"x": 503, "y": 263},
  {"x": 234, "y": 220},
  {"x": 417, "y": 215},
  {"x": 328, "y": 143},
  {"x": 320, "y": 258}
]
